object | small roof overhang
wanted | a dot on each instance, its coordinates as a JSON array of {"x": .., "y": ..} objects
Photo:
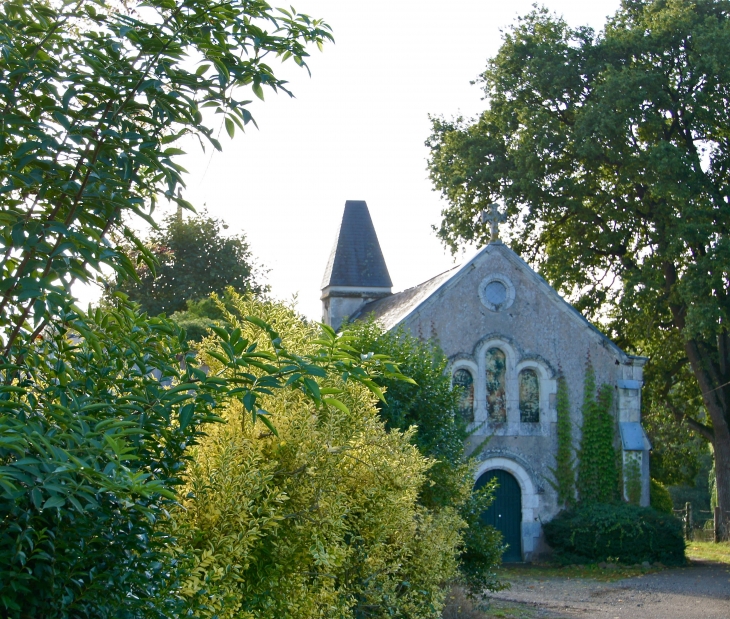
[{"x": 633, "y": 437}]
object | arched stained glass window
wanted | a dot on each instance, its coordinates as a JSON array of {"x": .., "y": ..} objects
[
  {"x": 465, "y": 381},
  {"x": 529, "y": 396},
  {"x": 496, "y": 364}
]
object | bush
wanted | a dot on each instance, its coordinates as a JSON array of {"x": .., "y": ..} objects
[
  {"x": 620, "y": 532},
  {"x": 97, "y": 441},
  {"x": 200, "y": 316},
  {"x": 321, "y": 517},
  {"x": 660, "y": 498},
  {"x": 431, "y": 406},
  {"x": 459, "y": 605}
]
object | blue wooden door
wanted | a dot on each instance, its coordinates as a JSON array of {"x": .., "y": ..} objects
[{"x": 505, "y": 513}]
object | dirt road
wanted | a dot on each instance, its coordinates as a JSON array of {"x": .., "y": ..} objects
[{"x": 701, "y": 591}]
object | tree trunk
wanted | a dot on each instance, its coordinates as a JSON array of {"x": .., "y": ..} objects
[
  {"x": 721, "y": 445},
  {"x": 713, "y": 385}
]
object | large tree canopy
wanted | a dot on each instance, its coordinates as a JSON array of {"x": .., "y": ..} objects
[
  {"x": 193, "y": 260},
  {"x": 95, "y": 97},
  {"x": 612, "y": 155}
]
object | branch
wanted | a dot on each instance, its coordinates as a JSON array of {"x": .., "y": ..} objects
[{"x": 703, "y": 430}]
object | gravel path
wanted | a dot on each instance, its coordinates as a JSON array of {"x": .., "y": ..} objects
[{"x": 701, "y": 591}]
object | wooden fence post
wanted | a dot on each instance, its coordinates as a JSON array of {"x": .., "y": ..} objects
[
  {"x": 688, "y": 521},
  {"x": 718, "y": 524}
]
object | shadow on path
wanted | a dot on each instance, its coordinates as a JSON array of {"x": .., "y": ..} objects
[{"x": 700, "y": 591}]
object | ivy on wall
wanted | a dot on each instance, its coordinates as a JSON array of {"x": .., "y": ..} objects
[
  {"x": 564, "y": 471},
  {"x": 597, "y": 467}
]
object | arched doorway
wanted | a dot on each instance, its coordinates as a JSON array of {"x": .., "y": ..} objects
[{"x": 505, "y": 513}]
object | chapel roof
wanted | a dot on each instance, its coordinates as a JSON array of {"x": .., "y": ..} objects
[
  {"x": 395, "y": 309},
  {"x": 391, "y": 310},
  {"x": 356, "y": 259}
]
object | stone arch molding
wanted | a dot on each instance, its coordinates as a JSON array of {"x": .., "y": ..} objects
[
  {"x": 548, "y": 388},
  {"x": 516, "y": 361},
  {"x": 530, "y": 526},
  {"x": 498, "y": 340},
  {"x": 466, "y": 363}
]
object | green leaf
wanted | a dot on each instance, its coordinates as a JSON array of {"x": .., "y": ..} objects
[
  {"x": 54, "y": 501},
  {"x": 249, "y": 401},
  {"x": 220, "y": 357},
  {"x": 337, "y": 404},
  {"x": 220, "y": 332},
  {"x": 313, "y": 388},
  {"x": 255, "y": 320},
  {"x": 267, "y": 422},
  {"x": 186, "y": 415}
]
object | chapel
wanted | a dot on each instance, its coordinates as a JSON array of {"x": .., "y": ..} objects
[{"x": 507, "y": 335}]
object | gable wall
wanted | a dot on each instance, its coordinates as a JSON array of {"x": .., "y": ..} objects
[{"x": 538, "y": 329}]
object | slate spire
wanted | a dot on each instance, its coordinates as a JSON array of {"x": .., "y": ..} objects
[
  {"x": 356, "y": 273},
  {"x": 356, "y": 260}
]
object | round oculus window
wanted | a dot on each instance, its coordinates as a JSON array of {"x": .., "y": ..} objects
[{"x": 497, "y": 292}]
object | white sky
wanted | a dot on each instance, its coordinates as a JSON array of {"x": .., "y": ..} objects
[{"x": 356, "y": 130}]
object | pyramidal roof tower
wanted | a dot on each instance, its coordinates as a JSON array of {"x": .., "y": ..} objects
[{"x": 356, "y": 272}]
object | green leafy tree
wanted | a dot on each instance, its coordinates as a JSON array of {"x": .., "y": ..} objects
[
  {"x": 672, "y": 403},
  {"x": 97, "y": 410},
  {"x": 193, "y": 259},
  {"x": 95, "y": 98},
  {"x": 610, "y": 152},
  {"x": 677, "y": 451},
  {"x": 430, "y": 404}
]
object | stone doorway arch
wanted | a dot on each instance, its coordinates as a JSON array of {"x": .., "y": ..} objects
[
  {"x": 528, "y": 527},
  {"x": 505, "y": 512}
]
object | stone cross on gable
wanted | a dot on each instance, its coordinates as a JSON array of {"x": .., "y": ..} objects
[{"x": 494, "y": 218}]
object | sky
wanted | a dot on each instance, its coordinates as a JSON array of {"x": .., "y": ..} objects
[{"x": 356, "y": 131}]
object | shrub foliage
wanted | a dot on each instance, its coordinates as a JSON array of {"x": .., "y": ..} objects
[
  {"x": 564, "y": 471},
  {"x": 660, "y": 498},
  {"x": 430, "y": 404},
  {"x": 321, "y": 519},
  {"x": 617, "y": 532},
  {"x": 95, "y": 432}
]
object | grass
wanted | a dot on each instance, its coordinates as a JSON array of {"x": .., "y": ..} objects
[
  {"x": 547, "y": 570},
  {"x": 709, "y": 551},
  {"x": 505, "y": 610}
]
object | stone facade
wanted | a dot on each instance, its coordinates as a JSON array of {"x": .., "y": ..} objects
[{"x": 503, "y": 326}]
